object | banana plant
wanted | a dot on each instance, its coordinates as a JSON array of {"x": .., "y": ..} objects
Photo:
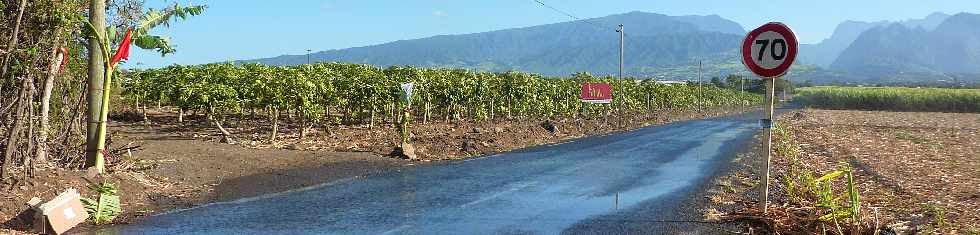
[
  {"x": 106, "y": 207},
  {"x": 121, "y": 54},
  {"x": 152, "y": 19}
]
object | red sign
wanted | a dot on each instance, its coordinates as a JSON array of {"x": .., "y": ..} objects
[
  {"x": 599, "y": 93},
  {"x": 769, "y": 50}
]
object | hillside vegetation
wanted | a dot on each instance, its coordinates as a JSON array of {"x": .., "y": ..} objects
[{"x": 560, "y": 49}]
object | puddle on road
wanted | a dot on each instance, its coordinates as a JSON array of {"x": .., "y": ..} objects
[{"x": 553, "y": 203}]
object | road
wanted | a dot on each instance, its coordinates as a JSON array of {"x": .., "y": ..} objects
[{"x": 622, "y": 183}]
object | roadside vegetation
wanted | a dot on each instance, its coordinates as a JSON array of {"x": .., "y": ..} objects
[
  {"x": 872, "y": 161},
  {"x": 915, "y": 171},
  {"x": 330, "y": 94},
  {"x": 892, "y": 98}
]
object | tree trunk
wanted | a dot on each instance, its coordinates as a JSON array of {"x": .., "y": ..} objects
[
  {"x": 510, "y": 106},
  {"x": 491, "y": 109},
  {"x": 180, "y": 115},
  {"x": 425, "y": 116},
  {"x": 225, "y": 135},
  {"x": 328, "y": 121},
  {"x": 449, "y": 112},
  {"x": 397, "y": 116},
  {"x": 45, "y": 127},
  {"x": 13, "y": 39},
  {"x": 303, "y": 127},
  {"x": 275, "y": 125},
  {"x": 14, "y": 134},
  {"x": 389, "y": 115},
  {"x": 348, "y": 115},
  {"x": 146, "y": 120},
  {"x": 28, "y": 160},
  {"x": 458, "y": 113},
  {"x": 96, "y": 73},
  {"x": 371, "y": 125}
]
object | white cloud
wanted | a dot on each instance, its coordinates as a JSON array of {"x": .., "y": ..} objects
[
  {"x": 440, "y": 13},
  {"x": 326, "y": 6}
]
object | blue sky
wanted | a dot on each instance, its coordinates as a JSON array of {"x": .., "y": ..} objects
[{"x": 248, "y": 29}]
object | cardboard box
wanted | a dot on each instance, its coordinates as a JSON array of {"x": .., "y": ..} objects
[{"x": 60, "y": 214}]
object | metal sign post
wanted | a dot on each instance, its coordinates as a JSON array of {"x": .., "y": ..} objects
[{"x": 769, "y": 51}]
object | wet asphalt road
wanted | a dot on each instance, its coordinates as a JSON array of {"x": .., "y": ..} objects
[{"x": 631, "y": 182}]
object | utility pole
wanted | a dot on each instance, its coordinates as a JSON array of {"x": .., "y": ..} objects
[
  {"x": 96, "y": 73},
  {"x": 621, "y": 50},
  {"x": 308, "y": 56},
  {"x": 700, "y": 94},
  {"x": 741, "y": 83},
  {"x": 785, "y": 86}
]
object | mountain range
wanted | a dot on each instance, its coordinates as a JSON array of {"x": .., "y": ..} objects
[
  {"x": 825, "y": 52},
  {"x": 652, "y": 41},
  {"x": 887, "y": 53},
  {"x": 937, "y": 47}
]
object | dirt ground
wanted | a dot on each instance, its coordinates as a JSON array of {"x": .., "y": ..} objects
[
  {"x": 916, "y": 172},
  {"x": 172, "y": 166},
  {"x": 436, "y": 140}
]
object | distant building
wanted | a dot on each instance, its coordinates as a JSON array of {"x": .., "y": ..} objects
[{"x": 670, "y": 82}]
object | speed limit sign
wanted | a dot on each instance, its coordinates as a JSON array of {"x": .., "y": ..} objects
[{"x": 769, "y": 51}]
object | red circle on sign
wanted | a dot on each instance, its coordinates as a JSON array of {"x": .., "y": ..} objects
[{"x": 780, "y": 29}]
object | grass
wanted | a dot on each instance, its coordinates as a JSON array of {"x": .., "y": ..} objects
[
  {"x": 939, "y": 218},
  {"x": 892, "y": 98},
  {"x": 817, "y": 193}
]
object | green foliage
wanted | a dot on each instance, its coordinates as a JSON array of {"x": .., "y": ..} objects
[
  {"x": 805, "y": 190},
  {"x": 939, "y": 217},
  {"x": 718, "y": 82},
  {"x": 104, "y": 209},
  {"x": 150, "y": 20},
  {"x": 155, "y": 17},
  {"x": 363, "y": 90},
  {"x": 892, "y": 98},
  {"x": 834, "y": 204}
]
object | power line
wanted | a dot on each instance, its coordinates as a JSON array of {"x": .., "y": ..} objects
[
  {"x": 622, "y": 34},
  {"x": 573, "y": 16}
]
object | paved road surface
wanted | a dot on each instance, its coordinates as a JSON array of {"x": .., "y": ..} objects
[{"x": 614, "y": 184}]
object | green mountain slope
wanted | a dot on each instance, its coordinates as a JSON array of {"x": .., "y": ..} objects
[{"x": 652, "y": 41}]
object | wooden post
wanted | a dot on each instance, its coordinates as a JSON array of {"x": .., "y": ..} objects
[
  {"x": 96, "y": 79},
  {"x": 770, "y": 95}
]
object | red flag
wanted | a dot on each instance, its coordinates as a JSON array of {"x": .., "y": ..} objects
[
  {"x": 62, "y": 58},
  {"x": 123, "y": 52}
]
